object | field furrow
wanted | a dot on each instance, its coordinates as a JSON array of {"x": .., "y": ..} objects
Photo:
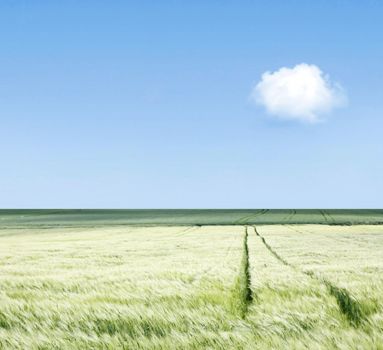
[
  {"x": 347, "y": 260},
  {"x": 348, "y": 305},
  {"x": 288, "y": 305}
]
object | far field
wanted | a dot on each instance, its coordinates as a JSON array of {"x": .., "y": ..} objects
[
  {"x": 78, "y": 217},
  {"x": 81, "y": 284}
]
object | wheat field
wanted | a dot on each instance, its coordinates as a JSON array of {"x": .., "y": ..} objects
[{"x": 192, "y": 287}]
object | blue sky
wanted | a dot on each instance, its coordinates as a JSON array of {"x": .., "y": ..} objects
[{"x": 144, "y": 104}]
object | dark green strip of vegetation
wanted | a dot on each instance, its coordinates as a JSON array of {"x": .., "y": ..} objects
[
  {"x": 241, "y": 296},
  {"x": 101, "y": 217}
]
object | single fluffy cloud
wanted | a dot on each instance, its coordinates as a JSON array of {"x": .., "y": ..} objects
[{"x": 299, "y": 93}]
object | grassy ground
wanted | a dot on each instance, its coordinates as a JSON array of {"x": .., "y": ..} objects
[
  {"x": 48, "y": 218},
  {"x": 191, "y": 287},
  {"x": 323, "y": 283}
]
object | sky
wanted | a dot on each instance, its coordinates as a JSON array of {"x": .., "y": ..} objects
[{"x": 198, "y": 104}]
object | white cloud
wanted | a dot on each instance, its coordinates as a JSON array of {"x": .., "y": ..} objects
[{"x": 300, "y": 93}]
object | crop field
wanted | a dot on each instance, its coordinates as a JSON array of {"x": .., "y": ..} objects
[
  {"x": 191, "y": 287},
  {"x": 185, "y": 217}
]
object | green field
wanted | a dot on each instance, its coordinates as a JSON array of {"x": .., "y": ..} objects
[
  {"x": 56, "y": 217},
  {"x": 89, "y": 280}
]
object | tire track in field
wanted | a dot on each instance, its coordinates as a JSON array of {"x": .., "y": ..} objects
[
  {"x": 327, "y": 217},
  {"x": 348, "y": 305},
  {"x": 182, "y": 232},
  {"x": 289, "y": 216},
  {"x": 330, "y": 217},
  {"x": 187, "y": 230},
  {"x": 271, "y": 250},
  {"x": 324, "y": 216},
  {"x": 241, "y": 292},
  {"x": 244, "y": 220},
  {"x": 293, "y": 228}
]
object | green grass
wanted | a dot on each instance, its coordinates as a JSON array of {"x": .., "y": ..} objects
[
  {"x": 194, "y": 287},
  {"x": 56, "y": 217}
]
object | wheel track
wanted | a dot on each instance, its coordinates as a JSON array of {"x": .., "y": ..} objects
[
  {"x": 245, "y": 220},
  {"x": 348, "y": 304},
  {"x": 327, "y": 217},
  {"x": 288, "y": 217},
  {"x": 242, "y": 294},
  {"x": 330, "y": 217}
]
